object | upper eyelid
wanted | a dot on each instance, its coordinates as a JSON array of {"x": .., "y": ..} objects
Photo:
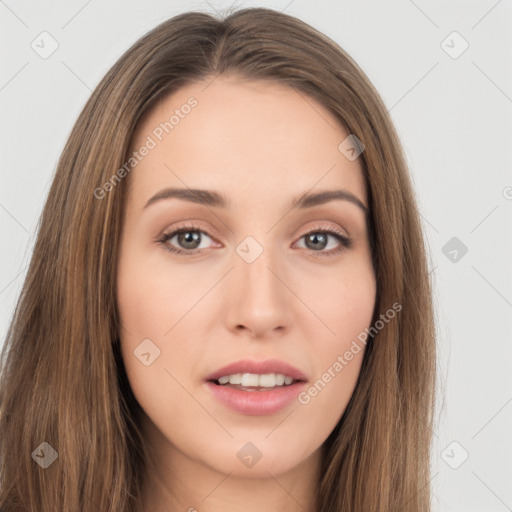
[
  {"x": 338, "y": 232},
  {"x": 214, "y": 233}
]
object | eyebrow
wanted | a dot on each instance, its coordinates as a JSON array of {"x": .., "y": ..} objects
[{"x": 215, "y": 199}]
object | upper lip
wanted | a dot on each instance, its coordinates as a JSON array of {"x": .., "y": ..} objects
[{"x": 259, "y": 367}]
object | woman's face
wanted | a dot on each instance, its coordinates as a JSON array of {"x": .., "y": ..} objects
[{"x": 258, "y": 278}]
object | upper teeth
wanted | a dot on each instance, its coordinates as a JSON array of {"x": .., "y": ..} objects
[{"x": 269, "y": 380}]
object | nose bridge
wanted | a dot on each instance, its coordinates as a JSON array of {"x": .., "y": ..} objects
[
  {"x": 256, "y": 264},
  {"x": 261, "y": 299}
]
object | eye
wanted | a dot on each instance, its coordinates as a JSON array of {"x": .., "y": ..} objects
[
  {"x": 318, "y": 239},
  {"x": 189, "y": 239},
  {"x": 187, "y": 236}
]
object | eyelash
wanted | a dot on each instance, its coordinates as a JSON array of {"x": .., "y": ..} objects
[{"x": 345, "y": 242}]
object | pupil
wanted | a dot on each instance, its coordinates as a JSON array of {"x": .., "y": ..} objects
[
  {"x": 314, "y": 238},
  {"x": 194, "y": 236}
]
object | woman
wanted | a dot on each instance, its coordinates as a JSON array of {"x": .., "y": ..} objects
[{"x": 257, "y": 368}]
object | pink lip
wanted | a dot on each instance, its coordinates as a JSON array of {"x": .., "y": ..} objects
[
  {"x": 256, "y": 403},
  {"x": 261, "y": 367}
]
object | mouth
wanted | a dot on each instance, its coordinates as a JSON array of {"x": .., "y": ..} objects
[
  {"x": 256, "y": 388},
  {"x": 255, "y": 382}
]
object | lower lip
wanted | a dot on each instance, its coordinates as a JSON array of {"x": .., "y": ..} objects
[{"x": 256, "y": 403}]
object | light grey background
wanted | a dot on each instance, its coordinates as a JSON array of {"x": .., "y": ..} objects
[{"x": 454, "y": 116}]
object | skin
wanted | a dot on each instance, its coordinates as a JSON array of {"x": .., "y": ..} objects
[{"x": 261, "y": 144}]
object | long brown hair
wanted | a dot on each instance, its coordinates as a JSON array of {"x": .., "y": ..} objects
[{"x": 62, "y": 378}]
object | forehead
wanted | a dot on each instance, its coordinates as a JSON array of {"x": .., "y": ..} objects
[{"x": 246, "y": 138}]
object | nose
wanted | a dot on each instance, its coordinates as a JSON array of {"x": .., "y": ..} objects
[{"x": 259, "y": 299}]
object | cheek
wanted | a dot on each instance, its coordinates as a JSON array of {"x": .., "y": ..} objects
[
  {"x": 342, "y": 301},
  {"x": 343, "y": 308},
  {"x": 150, "y": 303},
  {"x": 153, "y": 302},
  {"x": 151, "y": 298}
]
